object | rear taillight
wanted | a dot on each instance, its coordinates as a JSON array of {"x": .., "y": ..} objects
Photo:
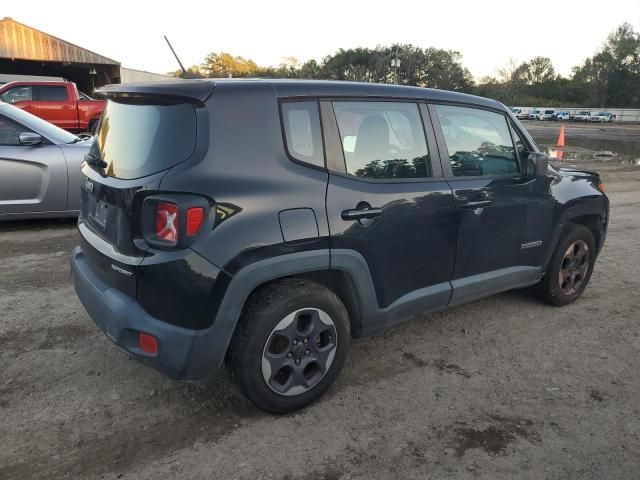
[
  {"x": 175, "y": 220},
  {"x": 167, "y": 222},
  {"x": 195, "y": 217}
]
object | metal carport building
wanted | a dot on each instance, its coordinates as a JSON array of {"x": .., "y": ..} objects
[{"x": 28, "y": 51}]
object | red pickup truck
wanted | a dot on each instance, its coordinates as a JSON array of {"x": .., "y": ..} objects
[{"x": 57, "y": 102}]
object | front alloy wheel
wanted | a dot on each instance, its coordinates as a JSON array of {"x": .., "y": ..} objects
[
  {"x": 570, "y": 267},
  {"x": 575, "y": 265}
]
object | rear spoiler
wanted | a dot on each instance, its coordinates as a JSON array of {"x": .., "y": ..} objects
[{"x": 194, "y": 91}]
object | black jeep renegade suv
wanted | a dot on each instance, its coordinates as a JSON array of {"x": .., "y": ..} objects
[{"x": 261, "y": 224}]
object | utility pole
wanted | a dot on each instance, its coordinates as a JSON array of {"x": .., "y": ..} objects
[{"x": 395, "y": 64}]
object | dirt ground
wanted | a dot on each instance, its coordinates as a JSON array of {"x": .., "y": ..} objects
[{"x": 502, "y": 388}]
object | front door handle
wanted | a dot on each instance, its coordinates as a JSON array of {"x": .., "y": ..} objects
[
  {"x": 474, "y": 205},
  {"x": 361, "y": 213}
]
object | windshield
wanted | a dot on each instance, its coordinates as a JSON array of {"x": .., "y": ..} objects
[
  {"x": 583, "y": 113},
  {"x": 139, "y": 139},
  {"x": 38, "y": 125}
]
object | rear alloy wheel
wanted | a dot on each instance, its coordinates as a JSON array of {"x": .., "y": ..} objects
[
  {"x": 570, "y": 268},
  {"x": 299, "y": 352},
  {"x": 290, "y": 345}
]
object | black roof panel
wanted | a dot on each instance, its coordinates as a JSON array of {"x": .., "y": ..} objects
[
  {"x": 333, "y": 88},
  {"x": 201, "y": 89}
]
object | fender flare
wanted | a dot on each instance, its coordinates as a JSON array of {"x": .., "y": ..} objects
[
  {"x": 565, "y": 217},
  {"x": 211, "y": 345},
  {"x": 210, "y": 348}
]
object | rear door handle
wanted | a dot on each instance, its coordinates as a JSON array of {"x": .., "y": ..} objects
[
  {"x": 359, "y": 214},
  {"x": 478, "y": 204}
]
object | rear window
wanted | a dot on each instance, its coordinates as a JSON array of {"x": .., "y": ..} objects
[
  {"x": 301, "y": 121},
  {"x": 140, "y": 139}
]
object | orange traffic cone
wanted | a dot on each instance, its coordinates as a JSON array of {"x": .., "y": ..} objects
[{"x": 560, "y": 142}]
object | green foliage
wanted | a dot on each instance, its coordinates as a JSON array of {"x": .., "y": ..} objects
[
  {"x": 430, "y": 67},
  {"x": 611, "y": 77},
  {"x": 192, "y": 72},
  {"x": 224, "y": 64}
]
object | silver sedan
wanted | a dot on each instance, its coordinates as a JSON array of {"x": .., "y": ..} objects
[{"x": 39, "y": 167}]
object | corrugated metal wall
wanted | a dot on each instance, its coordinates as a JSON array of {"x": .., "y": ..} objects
[{"x": 130, "y": 75}]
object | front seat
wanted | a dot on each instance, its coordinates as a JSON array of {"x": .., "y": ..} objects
[{"x": 372, "y": 142}]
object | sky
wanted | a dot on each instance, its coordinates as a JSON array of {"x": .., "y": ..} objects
[{"x": 487, "y": 33}]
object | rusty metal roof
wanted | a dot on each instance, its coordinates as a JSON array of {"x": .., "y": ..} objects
[{"x": 18, "y": 41}]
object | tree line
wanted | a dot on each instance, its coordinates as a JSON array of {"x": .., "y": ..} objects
[{"x": 611, "y": 77}]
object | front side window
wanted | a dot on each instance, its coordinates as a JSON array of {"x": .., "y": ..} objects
[
  {"x": 53, "y": 94},
  {"x": 9, "y": 132},
  {"x": 383, "y": 140},
  {"x": 521, "y": 145},
  {"x": 17, "y": 94},
  {"x": 301, "y": 122},
  {"x": 478, "y": 141}
]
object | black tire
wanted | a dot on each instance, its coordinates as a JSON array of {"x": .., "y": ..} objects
[
  {"x": 550, "y": 288},
  {"x": 264, "y": 310}
]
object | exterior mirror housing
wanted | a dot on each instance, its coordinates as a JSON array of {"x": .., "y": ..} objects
[
  {"x": 30, "y": 138},
  {"x": 536, "y": 165}
]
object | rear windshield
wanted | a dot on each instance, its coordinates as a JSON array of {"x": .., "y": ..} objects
[{"x": 138, "y": 138}]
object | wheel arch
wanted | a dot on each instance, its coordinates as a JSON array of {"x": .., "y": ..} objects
[
  {"x": 93, "y": 122},
  {"x": 314, "y": 265},
  {"x": 594, "y": 222},
  {"x": 592, "y": 218}
]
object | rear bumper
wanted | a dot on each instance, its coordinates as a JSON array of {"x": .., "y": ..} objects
[{"x": 182, "y": 353}]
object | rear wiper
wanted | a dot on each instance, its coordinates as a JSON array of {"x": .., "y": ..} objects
[{"x": 94, "y": 161}]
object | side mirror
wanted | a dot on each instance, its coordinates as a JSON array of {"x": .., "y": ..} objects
[
  {"x": 536, "y": 165},
  {"x": 30, "y": 138}
]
